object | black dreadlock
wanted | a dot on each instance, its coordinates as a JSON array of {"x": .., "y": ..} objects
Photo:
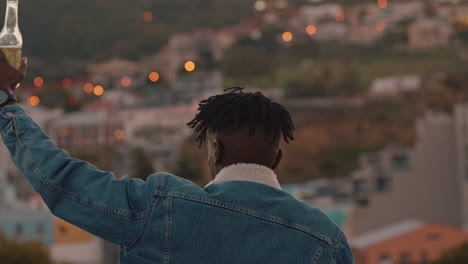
[{"x": 234, "y": 109}]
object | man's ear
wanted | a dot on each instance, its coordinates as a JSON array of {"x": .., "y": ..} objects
[
  {"x": 279, "y": 156},
  {"x": 218, "y": 152}
]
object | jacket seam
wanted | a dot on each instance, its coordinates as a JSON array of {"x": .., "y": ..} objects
[
  {"x": 167, "y": 231},
  {"x": 140, "y": 234},
  {"x": 38, "y": 174},
  {"x": 318, "y": 253},
  {"x": 252, "y": 213},
  {"x": 340, "y": 241}
]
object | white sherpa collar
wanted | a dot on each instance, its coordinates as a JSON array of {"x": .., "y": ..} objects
[{"x": 247, "y": 172}]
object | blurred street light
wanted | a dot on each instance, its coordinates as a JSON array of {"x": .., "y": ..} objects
[
  {"x": 34, "y": 101},
  {"x": 88, "y": 88},
  {"x": 287, "y": 36},
  {"x": 380, "y": 26},
  {"x": 98, "y": 90},
  {"x": 38, "y": 82},
  {"x": 311, "y": 29},
  {"x": 190, "y": 66},
  {"x": 126, "y": 82},
  {"x": 148, "y": 16},
  {"x": 382, "y": 3},
  {"x": 154, "y": 77},
  {"x": 340, "y": 17}
]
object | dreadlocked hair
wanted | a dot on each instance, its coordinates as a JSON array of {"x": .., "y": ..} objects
[{"x": 235, "y": 109}]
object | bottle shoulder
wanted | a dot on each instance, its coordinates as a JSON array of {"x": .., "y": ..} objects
[{"x": 10, "y": 39}]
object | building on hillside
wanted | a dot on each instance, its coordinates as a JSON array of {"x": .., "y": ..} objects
[
  {"x": 427, "y": 182},
  {"x": 461, "y": 137},
  {"x": 87, "y": 131},
  {"x": 111, "y": 72},
  {"x": 313, "y": 14},
  {"x": 73, "y": 245},
  {"x": 159, "y": 131},
  {"x": 429, "y": 33},
  {"x": 394, "y": 85},
  {"x": 408, "y": 242},
  {"x": 18, "y": 221},
  {"x": 333, "y": 197},
  {"x": 189, "y": 86}
]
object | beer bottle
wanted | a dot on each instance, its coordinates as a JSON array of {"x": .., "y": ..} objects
[{"x": 11, "y": 41}]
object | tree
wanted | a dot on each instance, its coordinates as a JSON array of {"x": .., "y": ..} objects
[
  {"x": 13, "y": 252},
  {"x": 141, "y": 164},
  {"x": 457, "y": 255}
]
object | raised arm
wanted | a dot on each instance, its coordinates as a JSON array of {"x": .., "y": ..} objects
[{"x": 73, "y": 189}]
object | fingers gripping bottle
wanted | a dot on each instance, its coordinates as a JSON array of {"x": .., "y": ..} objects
[{"x": 11, "y": 41}]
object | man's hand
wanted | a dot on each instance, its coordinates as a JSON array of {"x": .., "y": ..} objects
[{"x": 9, "y": 76}]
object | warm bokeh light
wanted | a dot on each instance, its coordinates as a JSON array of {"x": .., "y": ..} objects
[
  {"x": 311, "y": 29},
  {"x": 382, "y": 3},
  {"x": 38, "y": 82},
  {"x": 88, "y": 88},
  {"x": 190, "y": 66},
  {"x": 98, "y": 90},
  {"x": 154, "y": 77},
  {"x": 119, "y": 134},
  {"x": 462, "y": 27},
  {"x": 67, "y": 83},
  {"x": 126, "y": 82},
  {"x": 287, "y": 36},
  {"x": 260, "y": 5},
  {"x": 340, "y": 17},
  {"x": 34, "y": 101},
  {"x": 73, "y": 100},
  {"x": 147, "y": 16},
  {"x": 380, "y": 26}
]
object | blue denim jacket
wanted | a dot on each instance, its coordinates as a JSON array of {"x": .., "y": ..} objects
[{"x": 168, "y": 219}]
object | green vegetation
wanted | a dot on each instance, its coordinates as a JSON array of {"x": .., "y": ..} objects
[
  {"x": 14, "y": 252},
  {"x": 457, "y": 255}
]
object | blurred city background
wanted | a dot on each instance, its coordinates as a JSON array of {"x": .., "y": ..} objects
[{"x": 376, "y": 89}]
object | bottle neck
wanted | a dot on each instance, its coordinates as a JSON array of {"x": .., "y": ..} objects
[{"x": 11, "y": 16}]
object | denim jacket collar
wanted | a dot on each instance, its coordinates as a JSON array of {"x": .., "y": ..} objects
[{"x": 247, "y": 172}]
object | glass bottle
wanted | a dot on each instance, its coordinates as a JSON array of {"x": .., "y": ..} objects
[{"x": 11, "y": 41}]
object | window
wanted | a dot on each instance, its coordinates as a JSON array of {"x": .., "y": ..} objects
[
  {"x": 385, "y": 259},
  {"x": 404, "y": 258},
  {"x": 400, "y": 162},
  {"x": 433, "y": 236},
  {"x": 424, "y": 258},
  {"x": 382, "y": 184},
  {"x": 40, "y": 229},
  {"x": 19, "y": 230}
]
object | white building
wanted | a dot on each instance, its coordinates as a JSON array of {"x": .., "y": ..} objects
[
  {"x": 394, "y": 85},
  {"x": 427, "y": 182}
]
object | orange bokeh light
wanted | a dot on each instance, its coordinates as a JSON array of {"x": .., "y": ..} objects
[
  {"x": 147, "y": 16},
  {"x": 154, "y": 77},
  {"x": 126, "y": 82},
  {"x": 119, "y": 134},
  {"x": 382, "y": 3},
  {"x": 67, "y": 83},
  {"x": 34, "y": 101},
  {"x": 311, "y": 29},
  {"x": 98, "y": 90},
  {"x": 380, "y": 26},
  {"x": 190, "y": 66},
  {"x": 73, "y": 100},
  {"x": 287, "y": 36},
  {"x": 88, "y": 88},
  {"x": 38, "y": 82},
  {"x": 340, "y": 17}
]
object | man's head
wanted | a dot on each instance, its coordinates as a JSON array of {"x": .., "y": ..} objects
[{"x": 242, "y": 128}]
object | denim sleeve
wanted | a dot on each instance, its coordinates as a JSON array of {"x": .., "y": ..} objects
[
  {"x": 344, "y": 255},
  {"x": 74, "y": 190}
]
